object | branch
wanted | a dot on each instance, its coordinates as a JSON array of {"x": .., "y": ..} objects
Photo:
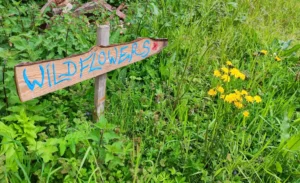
[{"x": 93, "y": 5}]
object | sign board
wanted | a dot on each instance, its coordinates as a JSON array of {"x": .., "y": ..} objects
[{"x": 39, "y": 78}]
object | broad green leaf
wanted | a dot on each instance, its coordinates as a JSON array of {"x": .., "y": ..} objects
[
  {"x": 278, "y": 167},
  {"x": 11, "y": 155},
  {"x": 37, "y": 42},
  {"x": 154, "y": 9},
  {"x": 12, "y": 117},
  {"x": 7, "y": 131},
  {"x": 110, "y": 136},
  {"x": 218, "y": 171},
  {"x": 47, "y": 153},
  {"x": 293, "y": 144},
  {"x": 115, "y": 162},
  {"x": 116, "y": 147},
  {"x": 296, "y": 122},
  {"x": 290, "y": 51},
  {"x": 103, "y": 124},
  {"x": 115, "y": 36},
  {"x": 62, "y": 147},
  {"x": 39, "y": 128},
  {"x": 44, "y": 150},
  {"x": 32, "y": 102},
  {"x": 8, "y": 54},
  {"x": 19, "y": 43},
  {"x": 38, "y": 118},
  {"x": 109, "y": 157},
  {"x": 94, "y": 135},
  {"x": 18, "y": 128},
  {"x": 14, "y": 100},
  {"x": 16, "y": 108},
  {"x": 53, "y": 141},
  {"x": 72, "y": 146}
]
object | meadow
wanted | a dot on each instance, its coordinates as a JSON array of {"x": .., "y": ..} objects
[{"x": 221, "y": 103}]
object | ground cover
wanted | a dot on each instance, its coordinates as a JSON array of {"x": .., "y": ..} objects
[{"x": 220, "y": 104}]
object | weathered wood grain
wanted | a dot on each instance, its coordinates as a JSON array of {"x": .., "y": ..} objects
[
  {"x": 39, "y": 78},
  {"x": 100, "y": 81}
]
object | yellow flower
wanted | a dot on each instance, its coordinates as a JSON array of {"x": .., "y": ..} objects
[
  {"x": 225, "y": 78},
  {"x": 237, "y": 74},
  {"x": 246, "y": 114},
  {"x": 225, "y": 70},
  {"x": 249, "y": 99},
  {"x": 257, "y": 99},
  {"x": 264, "y": 52},
  {"x": 238, "y": 95},
  {"x": 229, "y": 63},
  {"x": 217, "y": 73},
  {"x": 244, "y": 92},
  {"x": 212, "y": 92},
  {"x": 238, "y": 98},
  {"x": 220, "y": 89},
  {"x": 230, "y": 98},
  {"x": 238, "y": 105},
  {"x": 277, "y": 59},
  {"x": 222, "y": 96},
  {"x": 237, "y": 92},
  {"x": 234, "y": 71},
  {"x": 241, "y": 76}
]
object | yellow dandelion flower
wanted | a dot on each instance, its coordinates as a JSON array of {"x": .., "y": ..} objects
[
  {"x": 238, "y": 105},
  {"x": 246, "y": 114},
  {"x": 244, "y": 92},
  {"x": 257, "y": 99},
  {"x": 237, "y": 74},
  {"x": 229, "y": 98},
  {"x": 249, "y": 99},
  {"x": 225, "y": 78},
  {"x": 238, "y": 98},
  {"x": 229, "y": 63},
  {"x": 237, "y": 92},
  {"x": 232, "y": 97},
  {"x": 222, "y": 96},
  {"x": 234, "y": 71},
  {"x": 212, "y": 92},
  {"x": 241, "y": 76},
  {"x": 225, "y": 70},
  {"x": 277, "y": 59},
  {"x": 217, "y": 73},
  {"x": 220, "y": 89},
  {"x": 264, "y": 52}
]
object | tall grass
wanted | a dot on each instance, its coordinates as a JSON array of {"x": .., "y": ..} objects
[
  {"x": 163, "y": 123},
  {"x": 190, "y": 134}
]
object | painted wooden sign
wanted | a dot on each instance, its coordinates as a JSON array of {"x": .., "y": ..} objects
[{"x": 39, "y": 78}]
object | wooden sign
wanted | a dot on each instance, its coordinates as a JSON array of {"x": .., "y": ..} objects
[{"x": 39, "y": 78}]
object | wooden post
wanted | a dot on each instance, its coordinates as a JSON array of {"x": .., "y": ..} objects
[{"x": 100, "y": 81}]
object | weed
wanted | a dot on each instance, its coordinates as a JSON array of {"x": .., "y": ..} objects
[{"x": 219, "y": 104}]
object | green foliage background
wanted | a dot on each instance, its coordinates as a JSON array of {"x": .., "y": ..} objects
[{"x": 160, "y": 125}]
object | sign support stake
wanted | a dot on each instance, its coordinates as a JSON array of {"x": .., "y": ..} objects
[{"x": 103, "y": 33}]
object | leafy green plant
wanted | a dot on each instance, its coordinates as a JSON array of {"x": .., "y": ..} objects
[{"x": 160, "y": 123}]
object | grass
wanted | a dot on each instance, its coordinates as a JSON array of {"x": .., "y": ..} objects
[
  {"x": 202, "y": 138},
  {"x": 161, "y": 124}
]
